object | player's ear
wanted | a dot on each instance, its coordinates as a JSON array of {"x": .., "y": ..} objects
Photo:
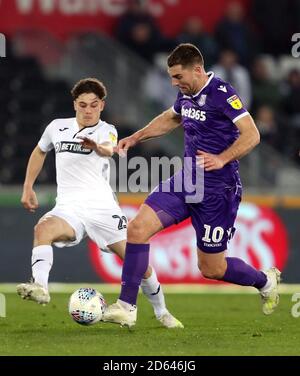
[
  {"x": 198, "y": 68},
  {"x": 102, "y": 105},
  {"x": 75, "y": 106}
]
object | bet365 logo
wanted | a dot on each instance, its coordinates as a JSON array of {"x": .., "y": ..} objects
[{"x": 296, "y": 46}]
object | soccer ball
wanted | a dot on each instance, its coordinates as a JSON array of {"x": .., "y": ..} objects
[{"x": 86, "y": 306}]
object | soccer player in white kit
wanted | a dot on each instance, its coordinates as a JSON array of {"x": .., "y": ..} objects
[{"x": 85, "y": 203}]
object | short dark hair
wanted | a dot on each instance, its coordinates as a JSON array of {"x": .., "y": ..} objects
[
  {"x": 89, "y": 85},
  {"x": 185, "y": 54}
]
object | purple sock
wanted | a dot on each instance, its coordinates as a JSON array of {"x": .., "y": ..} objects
[
  {"x": 135, "y": 265},
  {"x": 240, "y": 273}
]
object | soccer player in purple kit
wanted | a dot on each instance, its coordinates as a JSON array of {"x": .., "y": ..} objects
[{"x": 219, "y": 130}]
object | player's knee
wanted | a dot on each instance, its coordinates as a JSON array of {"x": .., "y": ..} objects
[
  {"x": 136, "y": 232},
  {"x": 212, "y": 272},
  {"x": 42, "y": 232}
]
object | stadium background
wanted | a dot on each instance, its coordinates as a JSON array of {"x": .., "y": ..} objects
[{"x": 51, "y": 44}]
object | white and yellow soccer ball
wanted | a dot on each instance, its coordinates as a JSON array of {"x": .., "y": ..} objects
[{"x": 87, "y": 306}]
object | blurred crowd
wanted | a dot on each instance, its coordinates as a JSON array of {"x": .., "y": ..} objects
[
  {"x": 251, "y": 50},
  {"x": 249, "y": 47}
]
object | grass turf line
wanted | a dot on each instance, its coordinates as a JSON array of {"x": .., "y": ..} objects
[{"x": 215, "y": 324}]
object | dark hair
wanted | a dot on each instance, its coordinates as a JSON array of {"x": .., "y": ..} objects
[
  {"x": 89, "y": 85},
  {"x": 185, "y": 54}
]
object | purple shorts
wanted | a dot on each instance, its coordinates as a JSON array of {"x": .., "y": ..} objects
[{"x": 212, "y": 218}]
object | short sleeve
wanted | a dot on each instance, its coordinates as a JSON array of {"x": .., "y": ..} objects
[
  {"x": 231, "y": 104},
  {"x": 177, "y": 105},
  {"x": 110, "y": 134},
  {"x": 45, "y": 143}
]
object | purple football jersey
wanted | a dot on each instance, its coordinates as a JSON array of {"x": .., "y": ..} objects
[{"x": 208, "y": 119}]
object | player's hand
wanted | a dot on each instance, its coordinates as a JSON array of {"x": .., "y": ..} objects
[
  {"x": 88, "y": 143},
  {"x": 29, "y": 200},
  {"x": 124, "y": 145},
  {"x": 209, "y": 161}
]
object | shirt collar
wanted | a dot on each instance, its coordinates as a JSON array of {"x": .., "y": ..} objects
[
  {"x": 211, "y": 75},
  {"x": 88, "y": 126}
]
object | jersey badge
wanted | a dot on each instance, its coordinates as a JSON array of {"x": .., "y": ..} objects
[
  {"x": 202, "y": 100},
  {"x": 112, "y": 137},
  {"x": 235, "y": 102}
]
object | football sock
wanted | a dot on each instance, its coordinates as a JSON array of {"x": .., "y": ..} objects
[
  {"x": 267, "y": 286},
  {"x": 41, "y": 263},
  {"x": 240, "y": 273},
  {"x": 135, "y": 265},
  {"x": 153, "y": 291}
]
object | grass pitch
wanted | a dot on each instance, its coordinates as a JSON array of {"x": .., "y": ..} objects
[{"x": 215, "y": 324}]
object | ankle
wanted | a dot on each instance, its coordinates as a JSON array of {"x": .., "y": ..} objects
[
  {"x": 267, "y": 286},
  {"x": 126, "y": 305}
]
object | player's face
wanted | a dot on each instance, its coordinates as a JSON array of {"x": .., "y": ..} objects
[
  {"x": 88, "y": 108},
  {"x": 186, "y": 79}
]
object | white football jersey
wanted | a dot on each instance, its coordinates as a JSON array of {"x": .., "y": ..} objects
[{"x": 82, "y": 175}]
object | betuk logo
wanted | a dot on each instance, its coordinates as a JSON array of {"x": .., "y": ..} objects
[
  {"x": 2, "y": 45},
  {"x": 2, "y": 306}
]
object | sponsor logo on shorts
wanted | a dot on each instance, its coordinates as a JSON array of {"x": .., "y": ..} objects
[{"x": 212, "y": 245}]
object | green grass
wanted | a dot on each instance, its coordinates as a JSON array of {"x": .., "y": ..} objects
[{"x": 215, "y": 324}]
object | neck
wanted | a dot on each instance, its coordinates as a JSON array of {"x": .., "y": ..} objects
[
  {"x": 201, "y": 83},
  {"x": 80, "y": 126}
]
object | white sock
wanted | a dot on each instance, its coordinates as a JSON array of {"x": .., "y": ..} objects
[
  {"x": 41, "y": 263},
  {"x": 153, "y": 291},
  {"x": 267, "y": 286}
]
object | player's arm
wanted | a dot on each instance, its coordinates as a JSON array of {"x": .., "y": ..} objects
[
  {"x": 160, "y": 125},
  {"x": 249, "y": 137},
  {"x": 34, "y": 166},
  {"x": 104, "y": 149}
]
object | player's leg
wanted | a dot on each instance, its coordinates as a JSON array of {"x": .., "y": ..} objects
[
  {"x": 136, "y": 262},
  {"x": 151, "y": 289},
  {"x": 237, "y": 271},
  {"x": 229, "y": 269},
  {"x": 48, "y": 230},
  {"x": 140, "y": 230},
  {"x": 163, "y": 208},
  {"x": 214, "y": 222}
]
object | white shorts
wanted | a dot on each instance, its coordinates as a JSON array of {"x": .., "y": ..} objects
[{"x": 103, "y": 226}]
